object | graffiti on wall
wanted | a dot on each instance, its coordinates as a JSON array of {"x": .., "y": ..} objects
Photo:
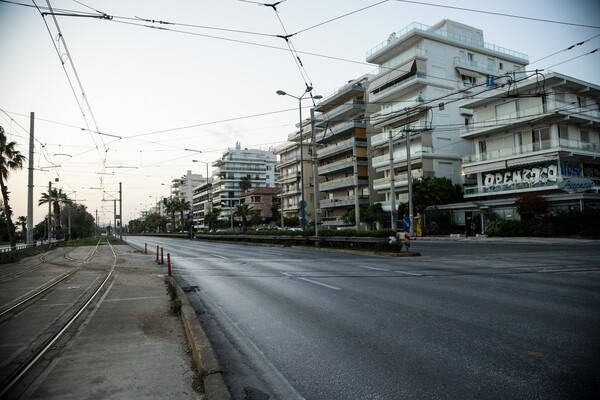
[{"x": 533, "y": 175}]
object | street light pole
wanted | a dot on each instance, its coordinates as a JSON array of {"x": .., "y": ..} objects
[{"x": 302, "y": 200}]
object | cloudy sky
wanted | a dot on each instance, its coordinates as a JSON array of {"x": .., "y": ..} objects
[{"x": 120, "y": 98}]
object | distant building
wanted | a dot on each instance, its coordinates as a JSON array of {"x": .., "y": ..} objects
[
  {"x": 423, "y": 72},
  {"x": 260, "y": 165},
  {"x": 182, "y": 188},
  {"x": 262, "y": 201}
]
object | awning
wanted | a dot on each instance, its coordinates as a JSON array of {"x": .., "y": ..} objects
[
  {"x": 392, "y": 75},
  {"x": 467, "y": 72}
]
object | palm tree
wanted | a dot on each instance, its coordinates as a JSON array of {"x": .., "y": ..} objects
[
  {"x": 211, "y": 217},
  {"x": 243, "y": 210},
  {"x": 184, "y": 205},
  {"x": 245, "y": 183},
  {"x": 10, "y": 159},
  {"x": 57, "y": 198},
  {"x": 22, "y": 221}
]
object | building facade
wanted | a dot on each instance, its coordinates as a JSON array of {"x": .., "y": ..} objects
[
  {"x": 423, "y": 72},
  {"x": 541, "y": 136},
  {"x": 342, "y": 155},
  {"x": 296, "y": 178},
  {"x": 260, "y": 165}
]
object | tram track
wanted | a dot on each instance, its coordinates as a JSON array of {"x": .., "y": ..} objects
[{"x": 67, "y": 303}]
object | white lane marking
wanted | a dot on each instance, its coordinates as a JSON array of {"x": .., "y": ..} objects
[
  {"x": 373, "y": 268},
  {"x": 321, "y": 284},
  {"x": 408, "y": 273},
  {"x": 311, "y": 281},
  {"x": 219, "y": 256}
]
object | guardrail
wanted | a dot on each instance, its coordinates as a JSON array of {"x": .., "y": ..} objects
[{"x": 8, "y": 255}]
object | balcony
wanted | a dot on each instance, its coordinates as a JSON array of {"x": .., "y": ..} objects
[
  {"x": 336, "y": 166},
  {"x": 586, "y": 148},
  {"x": 506, "y": 188},
  {"x": 397, "y": 134},
  {"x": 335, "y": 148},
  {"x": 416, "y": 152},
  {"x": 553, "y": 109},
  {"x": 341, "y": 112},
  {"x": 337, "y": 184},
  {"x": 436, "y": 34},
  {"x": 329, "y": 134},
  {"x": 343, "y": 201},
  {"x": 399, "y": 180},
  {"x": 289, "y": 178}
]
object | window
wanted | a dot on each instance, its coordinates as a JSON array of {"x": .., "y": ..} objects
[
  {"x": 500, "y": 66},
  {"x": 540, "y": 138},
  {"x": 470, "y": 57},
  {"x": 518, "y": 142},
  {"x": 255, "y": 199}
]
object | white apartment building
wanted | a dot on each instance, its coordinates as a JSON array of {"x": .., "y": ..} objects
[
  {"x": 423, "y": 72},
  {"x": 541, "y": 135},
  {"x": 260, "y": 165}
]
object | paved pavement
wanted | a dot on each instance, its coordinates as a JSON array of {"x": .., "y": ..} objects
[{"x": 131, "y": 346}]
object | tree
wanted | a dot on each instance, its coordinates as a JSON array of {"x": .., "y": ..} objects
[
  {"x": 10, "y": 159},
  {"x": 531, "y": 205},
  {"x": 82, "y": 222},
  {"x": 244, "y": 210},
  {"x": 245, "y": 184},
  {"x": 56, "y": 198},
  {"x": 22, "y": 222},
  {"x": 211, "y": 217},
  {"x": 156, "y": 222},
  {"x": 375, "y": 215},
  {"x": 433, "y": 191}
]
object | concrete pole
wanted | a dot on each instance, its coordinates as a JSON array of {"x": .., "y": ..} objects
[
  {"x": 409, "y": 180},
  {"x": 120, "y": 211},
  {"x": 317, "y": 206},
  {"x": 49, "y": 211},
  {"x": 29, "y": 240},
  {"x": 392, "y": 183},
  {"x": 302, "y": 201}
]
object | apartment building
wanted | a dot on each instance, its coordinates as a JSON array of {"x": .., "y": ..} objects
[
  {"x": 260, "y": 165},
  {"x": 422, "y": 73},
  {"x": 342, "y": 154},
  {"x": 182, "y": 188},
  {"x": 541, "y": 135}
]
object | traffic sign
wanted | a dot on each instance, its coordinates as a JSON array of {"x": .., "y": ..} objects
[{"x": 406, "y": 222}]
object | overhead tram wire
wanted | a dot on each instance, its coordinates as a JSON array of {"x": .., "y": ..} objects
[{"x": 500, "y": 14}]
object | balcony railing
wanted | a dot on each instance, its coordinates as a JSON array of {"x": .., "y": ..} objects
[
  {"x": 567, "y": 144},
  {"x": 336, "y": 183},
  {"x": 335, "y": 148},
  {"x": 416, "y": 151},
  {"x": 538, "y": 110},
  {"x": 505, "y": 187},
  {"x": 399, "y": 180},
  {"x": 448, "y": 35}
]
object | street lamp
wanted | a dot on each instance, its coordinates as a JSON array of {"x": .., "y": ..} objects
[{"x": 302, "y": 201}]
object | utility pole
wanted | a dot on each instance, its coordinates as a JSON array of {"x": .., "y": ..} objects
[
  {"x": 29, "y": 240},
  {"x": 49, "y": 210},
  {"x": 120, "y": 211},
  {"x": 394, "y": 211},
  {"x": 411, "y": 229},
  {"x": 317, "y": 206}
]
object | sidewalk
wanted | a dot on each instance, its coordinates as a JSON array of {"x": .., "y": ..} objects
[{"x": 129, "y": 347}]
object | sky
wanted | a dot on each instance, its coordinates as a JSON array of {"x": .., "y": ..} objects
[{"x": 119, "y": 99}]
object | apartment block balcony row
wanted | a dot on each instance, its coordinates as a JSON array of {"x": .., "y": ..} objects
[
  {"x": 416, "y": 151},
  {"x": 552, "y": 107},
  {"x": 330, "y": 133},
  {"x": 343, "y": 201},
  {"x": 336, "y": 166},
  {"x": 426, "y": 30},
  {"x": 569, "y": 145},
  {"x": 399, "y": 180},
  {"x": 339, "y": 183},
  {"x": 384, "y": 137},
  {"x": 335, "y": 148},
  {"x": 341, "y": 112}
]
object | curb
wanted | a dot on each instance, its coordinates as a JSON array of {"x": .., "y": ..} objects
[{"x": 202, "y": 352}]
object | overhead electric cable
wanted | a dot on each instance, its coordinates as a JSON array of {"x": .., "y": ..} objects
[{"x": 500, "y": 14}]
